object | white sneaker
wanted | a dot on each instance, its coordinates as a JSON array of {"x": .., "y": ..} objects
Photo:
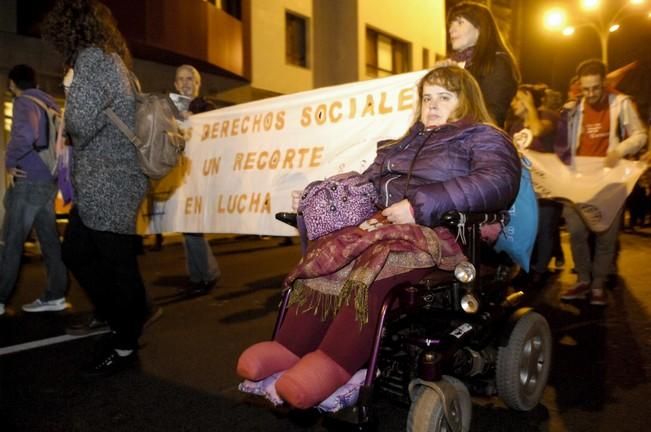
[
  {"x": 39, "y": 305},
  {"x": 2, "y": 309}
]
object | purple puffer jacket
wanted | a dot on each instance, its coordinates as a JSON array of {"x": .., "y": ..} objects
[{"x": 459, "y": 166}]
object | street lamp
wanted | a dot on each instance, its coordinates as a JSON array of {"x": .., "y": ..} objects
[
  {"x": 590, "y": 4},
  {"x": 555, "y": 20}
]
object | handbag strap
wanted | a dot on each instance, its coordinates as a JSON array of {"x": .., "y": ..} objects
[
  {"x": 117, "y": 121},
  {"x": 122, "y": 126},
  {"x": 37, "y": 101}
]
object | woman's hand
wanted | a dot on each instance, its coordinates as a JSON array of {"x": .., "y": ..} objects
[
  {"x": 527, "y": 100},
  {"x": 67, "y": 80},
  {"x": 445, "y": 62},
  {"x": 400, "y": 213},
  {"x": 612, "y": 158},
  {"x": 15, "y": 173}
]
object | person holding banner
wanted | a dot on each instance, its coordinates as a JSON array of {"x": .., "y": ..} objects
[
  {"x": 601, "y": 124},
  {"x": 200, "y": 262},
  {"x": 478, "y": 46},
  {"x": 533, "y": 127},
  {"x": 451, "y": 158}
]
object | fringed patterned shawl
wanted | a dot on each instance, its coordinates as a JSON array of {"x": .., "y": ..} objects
[{"x": 340, "y": 267}]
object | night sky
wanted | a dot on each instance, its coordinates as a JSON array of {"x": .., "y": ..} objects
[{"x": 552, "y": 58}]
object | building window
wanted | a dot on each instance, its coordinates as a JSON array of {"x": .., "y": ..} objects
[
  {"x": 385, "y": 55},
  {"x": 231, "y": 7},
  {"x": 425, "y": 58},
  {"x": 8, "y": 112},
  {"x": 296, "y": 38}
]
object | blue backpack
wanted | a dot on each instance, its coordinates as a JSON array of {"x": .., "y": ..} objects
[{"x": 519, "y": 235}]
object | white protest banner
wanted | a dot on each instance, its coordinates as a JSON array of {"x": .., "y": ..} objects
[
  {"x": 245, "y": 163},
  {"x": 596, "y": 191}
]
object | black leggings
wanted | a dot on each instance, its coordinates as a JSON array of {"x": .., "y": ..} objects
[{"x": 106, "y": 266}]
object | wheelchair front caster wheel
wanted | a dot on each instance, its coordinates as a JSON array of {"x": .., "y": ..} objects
[{"x": 427, "y": 412}]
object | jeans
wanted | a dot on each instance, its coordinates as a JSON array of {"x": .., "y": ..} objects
[
  {"x": 106, "y": 266},
  {"x": 31, "y": 204},
  {"x": 201, "y": 263},
  {"x": 592, "y": 269}
]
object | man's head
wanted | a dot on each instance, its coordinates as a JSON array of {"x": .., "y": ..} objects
[
  {"x": 187, "y": 81},
  {"x": 21, "y": 77},
  {"x": 592, "y": 79}
]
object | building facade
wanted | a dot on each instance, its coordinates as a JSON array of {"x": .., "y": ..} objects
[{"x": 245, "y": 49}]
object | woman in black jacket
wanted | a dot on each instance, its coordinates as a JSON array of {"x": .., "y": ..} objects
[{"x": 477, "y": 45}]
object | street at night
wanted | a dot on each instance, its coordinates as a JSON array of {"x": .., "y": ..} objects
[
  {"x": 186, "y": 381},
  {"x": 156, "y": 155}
]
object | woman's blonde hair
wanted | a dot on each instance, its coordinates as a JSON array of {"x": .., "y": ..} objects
[{"x": 459, "y": 81}]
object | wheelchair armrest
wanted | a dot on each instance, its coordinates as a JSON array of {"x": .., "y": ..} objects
[
  {"x": 468, "y": 228},
  {"x": 295, "y": 220},
  {"x": 453, "y": 218},
  {"x": 289, "y": 218}
]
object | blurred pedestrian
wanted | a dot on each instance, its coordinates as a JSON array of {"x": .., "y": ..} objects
[
  {"x": 201, "y": 264},
  {"x": 29, "y": 201},
  {"x": 635, "y": 206},
  {"x": 534, "y": 126},
  {"x": 100, "y": 242},
  {"x": 553, "y": 101}
]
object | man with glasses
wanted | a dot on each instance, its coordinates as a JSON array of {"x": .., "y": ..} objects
[{"x": 602, "y": 124}]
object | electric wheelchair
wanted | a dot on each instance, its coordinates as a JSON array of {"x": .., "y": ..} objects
[{"x": 450, "y": 335}]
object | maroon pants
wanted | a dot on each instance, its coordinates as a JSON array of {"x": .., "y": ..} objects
[{"x": 341, "y": 337}]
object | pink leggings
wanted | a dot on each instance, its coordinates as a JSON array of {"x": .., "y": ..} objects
[{"x": 341, "y": 337}]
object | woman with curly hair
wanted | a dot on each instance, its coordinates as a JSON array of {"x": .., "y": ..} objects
[{"x": 99, "y": 245}]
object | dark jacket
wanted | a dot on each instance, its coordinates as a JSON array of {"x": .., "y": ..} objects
[
  {"x": 459, "y": 166},
  {"x": 498, "y": 88},
  {"x": 29, "y": 131}
]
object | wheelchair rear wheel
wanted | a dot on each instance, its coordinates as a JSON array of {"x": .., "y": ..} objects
[
  {"x": 427, "y": 412},
  {"x": 523, "y": 364}
]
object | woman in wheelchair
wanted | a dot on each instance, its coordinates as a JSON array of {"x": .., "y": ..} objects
[{"x": 451, "y": 158}]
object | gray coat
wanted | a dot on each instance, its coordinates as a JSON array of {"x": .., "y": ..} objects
[{"x": 108, "y": 182}]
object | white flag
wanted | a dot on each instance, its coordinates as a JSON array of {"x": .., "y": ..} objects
[{"x": 596, "y": 191}]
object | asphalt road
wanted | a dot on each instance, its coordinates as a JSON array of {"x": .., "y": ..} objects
[{"x": 186, "y": 382}]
